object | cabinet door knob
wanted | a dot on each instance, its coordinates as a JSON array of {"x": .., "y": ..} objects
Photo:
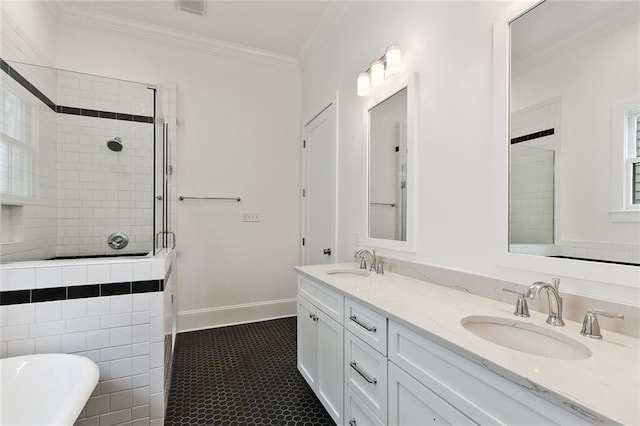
[
  {"x": 352, "y": 422},
  {"x": 327, "y": 251}
]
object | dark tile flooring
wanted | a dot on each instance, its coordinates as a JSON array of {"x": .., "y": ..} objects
[{"x": 241, "y": 375}]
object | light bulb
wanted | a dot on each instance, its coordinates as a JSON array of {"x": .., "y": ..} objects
[
  {"x": 377, "y": 73},
  {"x": 394, "y": 58},
  {"x": 363, "y": 84}
]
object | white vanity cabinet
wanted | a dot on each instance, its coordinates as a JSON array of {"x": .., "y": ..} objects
[
  {"x": 412, "y": 403},
  {"x": 356, "y": 412},
  {"x": 456, "y": 389},
  {"x": 320, "y": 343},
  {"x": 368, "y": 369},
  {"x": 365, "y": 361}
]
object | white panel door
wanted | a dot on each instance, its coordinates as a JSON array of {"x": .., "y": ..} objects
[
  {"x": 307, "y": 341},
  {"x": 319, "y": 189},
  {"x": 329, "y": 375},
  {"x": 412, "y": 404}
]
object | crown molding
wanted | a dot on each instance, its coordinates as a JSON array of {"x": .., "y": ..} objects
[{"x": 158, "y": 34}]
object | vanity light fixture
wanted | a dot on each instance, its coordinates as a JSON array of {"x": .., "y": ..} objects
[
  {"x": 377, "y": 73},
  {"x": 388, "y": 64},
  {"x": 363, "y": 84}
]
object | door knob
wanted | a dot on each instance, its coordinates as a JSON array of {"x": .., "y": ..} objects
[{"x": 327, "y": 251}]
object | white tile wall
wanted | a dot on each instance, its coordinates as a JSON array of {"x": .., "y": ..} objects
[
  {"x": 32, "y": 328},
  {"x": 36, "y": 238},
  {"x": 101, "y": 191},
  {"x": 84, "y": 192},
  {"x": 105, "y": 94},
  {"x": 619, "y": 252},
  {"x": 534, "y": 208},
  {"x": 116, "y": 332}
]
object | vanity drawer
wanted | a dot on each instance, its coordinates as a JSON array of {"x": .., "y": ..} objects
[
  {"x": 365, "y": 372},
  {"x": 367, "y": 324},
  {"x": 356, "y": 413},
  {"x": 327, "y": 300},
  {"x": 473, "y": 389}
]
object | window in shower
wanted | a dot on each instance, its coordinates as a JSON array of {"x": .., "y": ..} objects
[
  {"x": 633, "y": 166},
  {"x": 18, "y": 149}
]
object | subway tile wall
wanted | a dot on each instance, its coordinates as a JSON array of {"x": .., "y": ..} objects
[
  {"x": 74, "y": 191},
  {"x": 29, "y": 172},
  {"x": 533, "y": 207},
  {"x": 123, "y": 334},
  {"x": 105, "y": 94},
  {"x": 102, "y": 191}
]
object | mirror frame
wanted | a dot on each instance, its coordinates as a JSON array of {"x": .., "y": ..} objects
[
  {"x": 610, "y": 281},
  {"x": 390, "y": 87}
]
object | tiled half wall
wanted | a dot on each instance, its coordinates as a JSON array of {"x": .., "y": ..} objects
[{"x": 111, "y": 312}]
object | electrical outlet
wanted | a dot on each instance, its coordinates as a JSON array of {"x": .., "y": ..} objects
[{"x": 251, "y": 217}]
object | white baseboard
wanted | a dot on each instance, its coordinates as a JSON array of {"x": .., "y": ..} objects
[{"x": 221, "y": 316}]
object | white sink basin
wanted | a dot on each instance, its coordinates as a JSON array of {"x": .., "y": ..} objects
[
  {"x": 525, "y": 337},
  {"x": 346, "y": 271},
  {"x": 46, "y": 389}
]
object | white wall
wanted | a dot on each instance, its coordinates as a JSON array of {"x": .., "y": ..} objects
[
  {"x": 238, "y": 135},
  {"x": 450, "y": 45},
  {"x": 39, "y": 43}
]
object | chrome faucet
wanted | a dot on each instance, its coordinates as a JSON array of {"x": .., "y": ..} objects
[
  {"x": 362, "y": 254},
  {"x": 555, "y": 301}
]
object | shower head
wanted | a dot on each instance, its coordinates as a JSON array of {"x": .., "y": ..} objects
[{"x": 115, "y": 144}]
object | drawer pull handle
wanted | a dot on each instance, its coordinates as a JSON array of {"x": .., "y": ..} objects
[
  {"x": 352, "y": 422},
  {"x": 360, "y": 372},
  {"x": 366, "y": 327},
  {"x": 313, "y": 317}
]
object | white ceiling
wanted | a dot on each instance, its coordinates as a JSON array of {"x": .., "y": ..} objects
[
  {"x": 557, "y": 22},
  {"x": 280, "y": 27}
]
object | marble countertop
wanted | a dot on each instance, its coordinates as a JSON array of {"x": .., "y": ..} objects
[{"x": 607, "y": 383}]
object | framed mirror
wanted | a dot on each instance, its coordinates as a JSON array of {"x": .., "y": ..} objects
[
  {"x": 574, "y": 183},
  {"x": 390, "y": 138}
]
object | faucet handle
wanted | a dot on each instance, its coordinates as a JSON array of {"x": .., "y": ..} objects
[
  {"x": 363, "y": 263},
  {"x": 522, "y": 309},
  {"x": 590, "y": 325},
  {"x": 380, "y": 268}
]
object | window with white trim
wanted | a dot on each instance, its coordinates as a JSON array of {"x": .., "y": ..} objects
[
  {"x": 633, "y": 160},
  {"x": 18, "y": 148}
]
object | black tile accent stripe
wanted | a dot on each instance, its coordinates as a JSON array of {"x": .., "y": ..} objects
[
  {"x": 115, "y": 289},
  {"x": 15, "y": 297},
  {"x": 83, "y": 291},
  {"x": 534, "y": 135},
  {"x": 146, "y": 286},
  {"x": 36, "y": 295},
  {"x": 60, "y": 109},
  {"x": 48, "y": 294}
]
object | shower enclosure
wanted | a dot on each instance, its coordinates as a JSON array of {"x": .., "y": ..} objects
[{"x": 84, "y": 166}]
